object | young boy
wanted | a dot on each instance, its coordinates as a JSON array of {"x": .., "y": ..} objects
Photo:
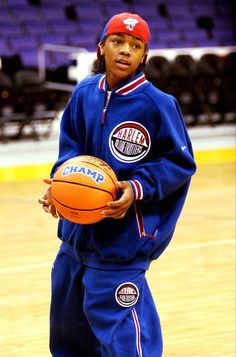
[{"x": 101, "y": 304}]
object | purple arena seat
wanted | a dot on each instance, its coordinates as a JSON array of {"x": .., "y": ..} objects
[
  {"x": 29, "y": 58},
  {"x": 26, "y": 13},
  {"x": 23, "y": 42},
  {"x": 57, "y": 39}
]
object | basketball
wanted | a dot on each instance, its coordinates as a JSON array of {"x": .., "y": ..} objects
[{"x": 82, "y": 187}]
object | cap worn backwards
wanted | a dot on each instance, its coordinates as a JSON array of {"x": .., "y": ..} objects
[{"x": 127, "y": 23}]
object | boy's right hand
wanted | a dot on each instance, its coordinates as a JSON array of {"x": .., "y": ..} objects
[{"x": 46, "y": 201}]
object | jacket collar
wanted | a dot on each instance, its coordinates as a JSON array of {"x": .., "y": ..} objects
[{"x": 126, "y": 87}]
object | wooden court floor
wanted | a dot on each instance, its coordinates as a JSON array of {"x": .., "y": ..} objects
[{"x": 193, "y": 282}]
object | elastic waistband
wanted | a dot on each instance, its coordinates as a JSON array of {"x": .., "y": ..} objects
[{"x": 93, "y": 260}]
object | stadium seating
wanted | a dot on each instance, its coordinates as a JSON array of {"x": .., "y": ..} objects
[
  {"x": 25, "y": 103},
  {"x": 184, "y": 23},
  {"x": 203, "y": 86}
]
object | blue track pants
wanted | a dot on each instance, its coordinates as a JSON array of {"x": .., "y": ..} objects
[{"x": 101, "y": 313}]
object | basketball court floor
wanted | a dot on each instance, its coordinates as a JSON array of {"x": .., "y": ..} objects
[{"x": 193, "y": 282}]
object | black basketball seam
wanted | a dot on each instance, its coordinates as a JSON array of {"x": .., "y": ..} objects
[
  {"x": 80, "y": 184},
  {"x": 79, "y": 209}
]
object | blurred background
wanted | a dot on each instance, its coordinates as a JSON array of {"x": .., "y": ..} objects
[{"x": 46, "y": 48}]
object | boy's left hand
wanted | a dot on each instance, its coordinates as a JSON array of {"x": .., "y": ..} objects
[{"x": 117, "y": 209}]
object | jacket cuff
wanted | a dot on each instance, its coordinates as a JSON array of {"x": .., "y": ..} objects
[{"x": 137, "y": 188}]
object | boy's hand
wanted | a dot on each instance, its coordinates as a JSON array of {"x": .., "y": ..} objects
[
  {"x": 46, "y": 201},
  {"x": 117, "y": 209}
]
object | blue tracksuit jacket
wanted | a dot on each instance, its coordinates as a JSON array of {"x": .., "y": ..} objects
[{"x": 140, "y": 132}]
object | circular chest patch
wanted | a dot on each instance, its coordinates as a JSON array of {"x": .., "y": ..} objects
[
  {"x": 129, "y": 141},
  {"x": 127, "y": 294}
]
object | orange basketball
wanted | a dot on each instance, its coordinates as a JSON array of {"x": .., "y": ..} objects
[{"x": 82, "y": 187}]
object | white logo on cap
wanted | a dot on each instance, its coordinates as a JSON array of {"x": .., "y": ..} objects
[{"x": 130, "y": 23}]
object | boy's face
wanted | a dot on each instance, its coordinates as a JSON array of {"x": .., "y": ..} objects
[{"x": 123, "y": 54}]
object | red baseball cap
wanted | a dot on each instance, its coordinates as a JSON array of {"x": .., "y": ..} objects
[{"x": 127, "y": 23}]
